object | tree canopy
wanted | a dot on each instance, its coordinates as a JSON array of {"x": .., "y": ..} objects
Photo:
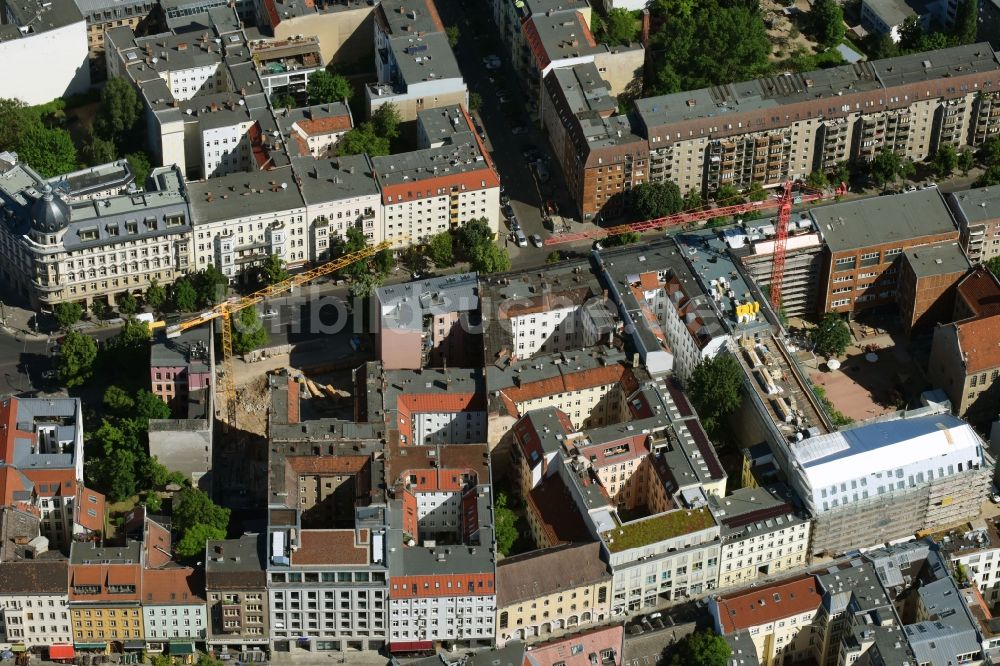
[
  {"x": 363, "y": 139},
  {"x": 248, "y": 331},
  {"x": 651, "y": 200},
  {"x": 619, "y": 28},
  {"x": 139, "y": 161},
  {"x": 119, "y": 110},
  {"x": 617, "y": 240},
  {"x": 704, "y": 648},
  {"x": 385, "y": 121},
  {"x": 826, "y": 21},
  {"x": 192, "y": 507},
  {"x": 716, "y": 389},
  {"x": 274, "y": 269},
  {"x": 441, "y": 249},
  {"x": 832, "y": 336},
  {"x": 50, "y": 152},
  {"x": 489, "y": 258},
  {"x": 945, "y": 160},
  {"x": 192, "y": 544},
  {"x": 324, "y": 87},
  {"x": 504, "y": 523},
  {"x": 127, "y": 304},
  {"x": 155, "y": 295},
  {"x": 67, "y": 314},
  {"x": 76, "y": 358},
  {"x": 699, "y": 44}
]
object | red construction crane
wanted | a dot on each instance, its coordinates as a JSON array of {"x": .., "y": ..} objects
[
  {"x": 689, "y": 216},
  {"x": 780, "y": 241}
]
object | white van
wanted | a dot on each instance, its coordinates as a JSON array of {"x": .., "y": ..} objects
[{"x": 520, "y": 238}]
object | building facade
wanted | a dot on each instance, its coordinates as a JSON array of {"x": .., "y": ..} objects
[
  {"x": 237, "y": 602},
  {"x": 34, "y": 603},
  {"x": 105, "y": 597},
  {"x": 977, "y": 212}
]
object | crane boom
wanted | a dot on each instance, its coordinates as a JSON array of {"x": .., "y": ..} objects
[
  {"x": 227, "y": 309},
  {"x": 780, "y": 242},
  {"x": 685, "y": 217}
]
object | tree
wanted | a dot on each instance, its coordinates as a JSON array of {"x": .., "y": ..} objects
[
  {"x": 727, "y": 195},
  {"x": 156, "y": 295},
  {"x": 148, "y": 405},
  {"x": 15, "y": 120},
  {"x": 248, "y": 331},
  {"x": 192, "y": 544},
  {"x": 192, "y": 507},
  {"x": 993, "y": 264},
  {"x": 127, "y": 305},
  {"x": 473, "y": 234},
  {"x": 704, "y": 648},
  {"x": 365, "y": 285},
  {"x": 324, "y": 87},
  {"x": 879, "y": 45},
  {"x": 945, "y": 160},
  {"x": 283, "y": 101},
  {"x": 504, "y": 523},
  {"x": 385, "y": 120},
  {"x": 617, "y": 240},
  {"x": 99, "y": 309},
  {"x": 989, "y": 178},
  {"x": 98, "y": 150},
  {"x": 966, "y": 26},
  {"x": 117, "y": 475},
  {"x": 274, "y": 269},
  {"x": 619, "y": 28},
  {"x": 816, "y": 179},
  {"x": 384, "y": 261},
  {"x": 989, "y": 152},
  {"x": 67, "y": 314},
  {"x": 363, "y": 139},
  {"x": 76, "y": 358},
  {"x": 966, "y": 160},
  {"x": 652, "y": 200},
  {"x": 756, "y": 191},
  {"x": 183, "y": 295},
  {"x": 704, "y": 43},
  {"x": 118, "y": 401},
  {"x": 490, "y": 259},
  {"x": 832, "y": 336},
  {"x": 119, "y": 110},
  {"x": 50, "y": 152},
  {"x": 826, "y": 20},
  {"x": 453, "y": 34},
  {"x": 211, "y": 286},
  {"x": 139, "y": 161},
  {"x": 441, "y": 249},
  {"x": 475, "y": 101},
  {"x": 886, "y": 167},
  {"x": 554, "y": 257},
  {"x": 692, "y": 200},
  {"x": 152, "y": 474},
  {"x": 841, "y": 172},
  {"x": 716, "y": 389}
]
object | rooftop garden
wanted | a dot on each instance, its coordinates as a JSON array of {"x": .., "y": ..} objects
[{"x": 662, "y": 526}]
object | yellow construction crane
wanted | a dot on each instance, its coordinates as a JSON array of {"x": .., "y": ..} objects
[{"x": 226, "y": 309}]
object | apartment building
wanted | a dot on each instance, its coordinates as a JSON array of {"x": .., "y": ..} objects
[
  {"x": 861, "y": 263},
  {"x": 430, "y": 190},
  {"x": 600, "y": 155},
  {"x": 339, "y": 193},
  {"x": 61, "y": 251},
  {"x": 977, "y": 213},
  {"x": 285, "y": 65},
  {"x": 97, "y": 182},
  {"x": 242, "y": 218},
  {"x": 442, "y": 562},
  {"x": 589, "y": 387},
  {"x": 236, "y": 592},
  {"x": 105, "y": 597},
  {"x": 414, "y": 63},
  {"x": 52, "y": 36},
  {"x": 102, "y": 15},
  {"x": 762, "y": 534},
  {"x": 544, "y": 591},
  {"x": 428, "y": 323},
  {"x": 42, "y": 447},
  {"x": 928, "y": 276},
  {"x": 314, "y": 130},
  {"x": 174, "y": 613},
  {"x": 777, "y": 617},
  {"x": 180, "y": 365},
  {"x": 34, "y": 606},
  {"x": 673, "y": 320},
  {"x": 342, "y": 27},
  {"x": 964, "y": 363},
  {"x": 975, "y": 557},
  {"x": 888, "y": 16},
  {"x": 528, "y": 313}
]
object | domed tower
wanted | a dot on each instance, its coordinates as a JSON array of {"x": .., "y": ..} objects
[{"x": 49, "y": 215}]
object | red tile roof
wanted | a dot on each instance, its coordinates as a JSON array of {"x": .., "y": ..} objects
[
  {"x": 327, "y": 464},
  {"x": 413, "y": 190},
  {"x": 11, "y": 481},
  {"x": 980, "y": 289},
  {"x": 156, "y": 544},
  {"x": 578, "y": 649},
  {"x": 556, "y": 513},
  {"x": 176, "y": 585},
  {"x": 442, "y": 585},
  {"x": 764, "y": 605},
  {"x": 566, "y": 382},
  {"x": 57, "y": 482},
  {"x": 327, "y": 125},
  {"x": 103, "y": 575},
  {"x": 90, "y": 506},
  {"x": 980, "y": 343},
  {"x": 417, "y": 403},
  {"x": 331, "y": 547},
  {"x": 607, "y": 452}
]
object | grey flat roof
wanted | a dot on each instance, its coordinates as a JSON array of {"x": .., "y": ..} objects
[
  {"x": 938, "y": 259},
  {"x": 219, "y": 110},
  {"x": 894, "y": 12},
  {"x": 404, "y": 306},
  {"x": 243, "y": 555},
  {"x": 750, "y": 512},
  {"x": 462, "y": 156},
  {"x": 584, "y": 89},
  {"x": 183, "y": 350},
  {"x": 976, "y": 205},
  {"x": 245, "y": 193},
  {"x": 564, "y": 34},
  {"x": 96, "y": 178},
  {"x": 91, "y": 6},
  {"x": 853, "y": 225},
  {"x": 335, "y": 178},
  {"x": 403, "y": 17},
  {"x": 89, "y": 553},
  {"x": 444, "y": 123},
  {"x": 778, "y": 89},
  {"x": 424, "y": 58},
  {"x": 43, "y": 15}
]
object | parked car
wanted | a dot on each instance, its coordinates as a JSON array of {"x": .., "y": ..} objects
[
  {"x": 910, "y": 188},
  {"x": 520, "y": 238},
  {"x": 931, "y": 185},
  {"x": 536, "y": 240}
]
